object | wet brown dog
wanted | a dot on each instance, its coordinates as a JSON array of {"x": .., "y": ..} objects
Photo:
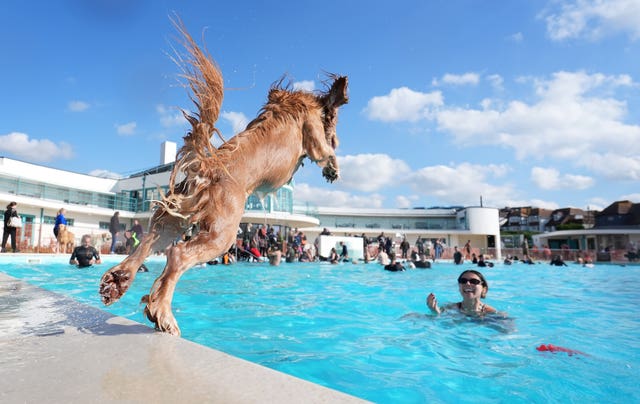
[{"x": 209, "y": 187}]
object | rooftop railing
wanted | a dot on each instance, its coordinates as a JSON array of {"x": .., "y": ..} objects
[
  {"x": 123, "y": 201},
  {"x": 44, "y": 191}
]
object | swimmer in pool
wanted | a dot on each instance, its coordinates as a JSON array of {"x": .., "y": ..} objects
[
  {"x": 473, "y": 287},
  {"x": 85, "y": 255}
]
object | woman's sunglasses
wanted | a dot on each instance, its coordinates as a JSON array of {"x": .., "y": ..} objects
[{"x": 472, "y": 281}]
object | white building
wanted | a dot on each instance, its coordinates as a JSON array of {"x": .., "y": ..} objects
[{"x": 91, "y": 201}]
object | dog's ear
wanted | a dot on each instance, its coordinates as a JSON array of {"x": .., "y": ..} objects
[{"x": 338, "y": 92}]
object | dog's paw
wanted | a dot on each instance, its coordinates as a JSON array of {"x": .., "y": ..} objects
[{"x": 113, "y": 285}]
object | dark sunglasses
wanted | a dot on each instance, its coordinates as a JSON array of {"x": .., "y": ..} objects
[{"x": 472, "y": 281}]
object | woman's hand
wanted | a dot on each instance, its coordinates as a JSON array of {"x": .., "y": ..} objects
[{"x": 432, "y": 303}]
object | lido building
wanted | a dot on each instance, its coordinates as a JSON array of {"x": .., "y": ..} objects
[{"x": 90, "y": 202}]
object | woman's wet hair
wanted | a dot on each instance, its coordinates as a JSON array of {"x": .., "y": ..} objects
[{"x": 482, "y": 279}]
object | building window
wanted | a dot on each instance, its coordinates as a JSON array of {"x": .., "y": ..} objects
[{"x": 52, "y": 220}]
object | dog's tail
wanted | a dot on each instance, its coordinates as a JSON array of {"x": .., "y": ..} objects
[{"x": 197, "y": 158}]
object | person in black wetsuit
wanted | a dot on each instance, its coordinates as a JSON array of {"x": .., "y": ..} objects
[
  {"x": 85, "y": 254},
  {"x": 557, "y": 261},
  {"x": 394, "y": 266},
  {"x": 344, "y": 255},
  {"x": 457, "y": 256},
  {"x": 422, "y": 262}
]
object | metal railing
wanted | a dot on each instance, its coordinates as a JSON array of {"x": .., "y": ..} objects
[
  {"x": 122, "y": 201},
  {"x": 40, "y": 190}
]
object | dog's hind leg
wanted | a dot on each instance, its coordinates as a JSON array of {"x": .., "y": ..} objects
[{"x": 181, "y": 257}]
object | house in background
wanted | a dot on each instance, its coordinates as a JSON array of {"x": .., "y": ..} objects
[
  {"x": 620, "y": 215},
  {"x": 568, "y": 217},
  {"x": 615, "y": 231},
  {"x": 524, "y": 218}
]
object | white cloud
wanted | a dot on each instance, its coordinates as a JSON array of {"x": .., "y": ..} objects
[
  {"x": 238, "y": 120},
  {"x": 126, "y": 129},
  {"x": 593, "y": 19},
  {"x": 405, "y": 202},
  {"x": 77, "y": 106},
  {"x": 370, "y": 172},
  {"x": 403, "y": 104},
  {"x": 458, "y": 79},
  {"x": 635, "y": 197},
  {"x": 170, "y": 117},
  {"x": 455, "y": 185},
  {"x": 496, "y": 81},
  {"x": 613, "y": 166},
  {"x": 517, "y": 37},
  {"x": 540, "y": 204},
  {"x": 306, "y": 85},
  {"x": 574, "y": 118},
  {"x": 597, "y": 203},
  {"x": 105, "y": 174},
  {"x": 550, "y": 178},
  {"x": 463, "y": 184},
  {"x": 304, "y": 193},
  {"x": 43, "y": 150}
]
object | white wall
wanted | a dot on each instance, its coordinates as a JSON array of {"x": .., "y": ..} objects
[
  {"x": 84, "y": 182},
  {"x": 354, "y": 246}
]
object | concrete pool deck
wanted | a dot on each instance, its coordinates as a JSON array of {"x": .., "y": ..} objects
[{"x": 56, "y": 350}]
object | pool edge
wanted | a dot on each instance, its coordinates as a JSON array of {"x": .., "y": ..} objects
[{"x": 55, "y": 349}]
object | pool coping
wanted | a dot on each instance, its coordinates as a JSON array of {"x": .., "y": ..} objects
[{"x": 55, "y": 349}]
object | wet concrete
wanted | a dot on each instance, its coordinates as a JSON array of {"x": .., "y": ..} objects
[{"x": 56, "y": 350}]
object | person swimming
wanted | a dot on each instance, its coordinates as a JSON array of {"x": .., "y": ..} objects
[
  {"x": 473, "y": 287},
  {"x": 85, "y": 255}
]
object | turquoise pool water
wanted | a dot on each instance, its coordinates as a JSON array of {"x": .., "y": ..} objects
[{"x": 366, "y": 331}]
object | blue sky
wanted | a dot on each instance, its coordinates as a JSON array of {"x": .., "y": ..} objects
[{"x": 522, "y": 102}]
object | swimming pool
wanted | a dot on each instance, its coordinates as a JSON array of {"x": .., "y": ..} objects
[{"x": 365, "y": 331}]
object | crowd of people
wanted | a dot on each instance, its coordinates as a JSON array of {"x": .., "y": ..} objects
[{"x": 267, "y": 243}]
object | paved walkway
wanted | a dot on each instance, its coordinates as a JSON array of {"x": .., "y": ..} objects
[{"x": 56, "y": 350}]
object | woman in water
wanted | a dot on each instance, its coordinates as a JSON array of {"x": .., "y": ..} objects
[{"x": 473, "y": 287}]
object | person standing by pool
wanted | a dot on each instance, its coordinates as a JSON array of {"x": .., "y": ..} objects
[
  {"x": 467, "y": 249},
  {"x": 9, "y": 230},
  {"x": 85, "y": 254},
  {"x": 404, "y": 247},
  {"x": 344, "y": 255},
  {"x": 473, "y": 287},
  {"x": 136, "y": 235},
  {"x": 437, "y": 250},
  {"x": 420, "y": 245},
  {"x": 114, "y": 229},
  {"x": 457, "y": 256},
  {"x": 60, "y": 219}
]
